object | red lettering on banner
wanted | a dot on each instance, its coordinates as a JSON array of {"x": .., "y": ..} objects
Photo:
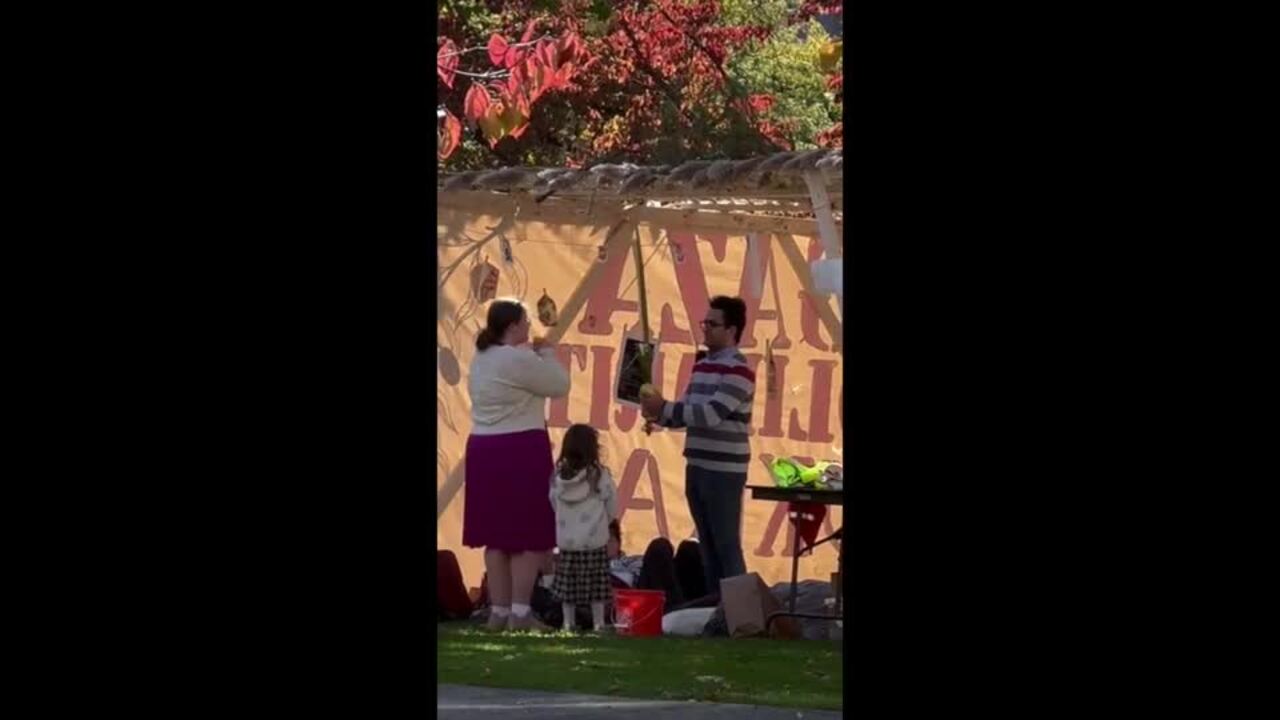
[
  {"x": 820, "y": 401},
  {"x": 810, "y": 334},
  {"x": 640, "y": 460},
  {"x": 768, "y": 272},
  {"x": 601, "y": 386},
  {"x": 809, "y": 321},
  {"x": 794, "y": 431},
  {"x": 624, "y": 417},
  {"x": 558, "y": 414},
  {"x": 718, "y": 243},
  {"x": 815, "y": 249},
  {"x": 671, "y": 332},
  {"x": 692, "y": 282},
  {"x": 603, "y": 301}
]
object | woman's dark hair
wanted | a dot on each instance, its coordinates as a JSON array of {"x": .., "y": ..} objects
[
  {"x": 502, "y": 315},
  {"x": 580, "y": 450},
  {"x": 735, "y": 313}
]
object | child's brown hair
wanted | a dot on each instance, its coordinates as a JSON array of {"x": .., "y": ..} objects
[{"x": 580, "y": 450}]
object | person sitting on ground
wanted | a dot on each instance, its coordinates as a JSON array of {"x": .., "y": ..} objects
[
  {"x": 677, "y": 573},
  {"x": 623, "y": 569}
]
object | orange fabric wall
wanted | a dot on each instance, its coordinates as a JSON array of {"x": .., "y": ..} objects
[{"x": 802, "y": 418}]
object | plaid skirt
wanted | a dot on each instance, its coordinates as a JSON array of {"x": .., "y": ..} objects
[{"x": 582, "y": 577}]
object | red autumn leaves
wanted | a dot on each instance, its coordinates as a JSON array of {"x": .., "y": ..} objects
[{"x": 522, "y": 73}]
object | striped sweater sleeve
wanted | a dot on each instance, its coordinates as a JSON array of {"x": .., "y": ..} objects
[{"x": 734, "y": 389}]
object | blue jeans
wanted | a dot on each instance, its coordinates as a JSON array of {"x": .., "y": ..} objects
[{"x": 715, "y": 501}]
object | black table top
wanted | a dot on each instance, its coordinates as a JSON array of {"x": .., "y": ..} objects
[{"x": 797, "y": 494}]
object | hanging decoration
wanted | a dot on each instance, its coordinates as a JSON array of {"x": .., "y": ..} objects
[
  {"x": 546, "y": 309},
  {"x": 771, "y": 370},
  {"x": 484, "y": 280}
]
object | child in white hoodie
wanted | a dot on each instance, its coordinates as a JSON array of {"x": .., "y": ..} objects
[{"x": 586, "y": 501}]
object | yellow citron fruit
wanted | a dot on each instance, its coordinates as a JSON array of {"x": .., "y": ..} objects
[{"x": 829, "y": 56}]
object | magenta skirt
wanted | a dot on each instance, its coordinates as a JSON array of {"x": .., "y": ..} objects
[{"x": 506, "y": 505}]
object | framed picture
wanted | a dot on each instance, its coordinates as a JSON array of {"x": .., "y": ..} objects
[{"x": 635, "y": 368}]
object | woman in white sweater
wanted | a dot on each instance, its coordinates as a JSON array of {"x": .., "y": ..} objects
[{"x": 509, "y": 462}]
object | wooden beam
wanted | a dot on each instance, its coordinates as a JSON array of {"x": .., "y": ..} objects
[
  {"x": 731, "y": 223},
  {"x": 449, "y": 490},
  {"x": 608, "y": 211},
  {"x": 616, "y": 241},
  {"x": 820, "y": 303}
]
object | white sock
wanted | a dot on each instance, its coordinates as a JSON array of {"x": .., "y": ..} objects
[
  {"x": 501, "y": 610},
  {"x": 597, "y": 615},
  {"x": 520, "y": 610},
  {"x": 569, "y": 610}
]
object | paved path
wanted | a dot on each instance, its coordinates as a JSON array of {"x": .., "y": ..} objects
[{"x": 464, "y": 702}]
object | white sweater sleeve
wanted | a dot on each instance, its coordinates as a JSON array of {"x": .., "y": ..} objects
[
  {"x": 609, "y": 492},
  {"x": 539, "y": 373}
]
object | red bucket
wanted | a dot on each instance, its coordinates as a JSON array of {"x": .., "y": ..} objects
[{"x": 639, "y": 612}]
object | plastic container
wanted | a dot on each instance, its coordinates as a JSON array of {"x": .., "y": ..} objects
[{"x": 639, "y": 612}]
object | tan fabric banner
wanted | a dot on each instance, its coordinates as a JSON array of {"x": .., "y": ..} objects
[{"x": 799, "y": 414}]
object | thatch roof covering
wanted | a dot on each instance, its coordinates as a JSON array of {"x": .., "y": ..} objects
[
  {"x": 767, "y": 193},
  {"x": 765, "y": 176}
]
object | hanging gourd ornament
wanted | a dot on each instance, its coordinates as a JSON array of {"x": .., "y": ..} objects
[
  {"x": 546, "y": 309},
  {"x": 484, "y": 281}
]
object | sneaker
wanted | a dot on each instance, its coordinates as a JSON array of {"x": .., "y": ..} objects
[
  {"x": 496, "y": 624},
  {"x": 529, "y": 623}
]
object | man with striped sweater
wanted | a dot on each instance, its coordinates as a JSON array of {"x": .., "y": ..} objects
[{"x": 715, "y": 413}]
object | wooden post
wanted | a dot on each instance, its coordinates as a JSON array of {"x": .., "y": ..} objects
[
  {"x": 822, "y": 211},
  {"x": 794, "y": 256},
  {"x": 446, "y": 493}
]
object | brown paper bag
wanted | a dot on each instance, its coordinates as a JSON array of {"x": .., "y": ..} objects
[{"x": 747, "y": 604}]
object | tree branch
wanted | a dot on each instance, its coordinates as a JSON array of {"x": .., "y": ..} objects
[
  {"x": 486, "y": 47},
  {"x": 657, "y": 79},
  {"x": 733, "y": 86}
]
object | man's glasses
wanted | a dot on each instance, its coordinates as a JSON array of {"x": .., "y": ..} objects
[{"x": 710, "y": 324}]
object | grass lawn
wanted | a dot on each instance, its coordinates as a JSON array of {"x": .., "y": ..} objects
[{"x": 786, "y": 673}]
